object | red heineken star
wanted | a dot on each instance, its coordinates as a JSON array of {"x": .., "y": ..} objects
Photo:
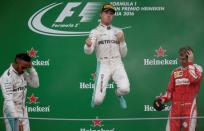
[
  {"x": 33, "y": 99},
  {"x": 97, "y": 122},
  {"x": 32, "y": 52},
  {"x": 160, "y": 52}
]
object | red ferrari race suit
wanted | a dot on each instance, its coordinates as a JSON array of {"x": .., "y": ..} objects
[{"x": 184, "y": 85}]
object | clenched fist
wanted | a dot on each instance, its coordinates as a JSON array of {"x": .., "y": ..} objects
[
  {"x": 120, "y": 37},
  {"x": 89, "y": 42}
]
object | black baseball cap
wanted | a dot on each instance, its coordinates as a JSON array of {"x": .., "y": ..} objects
[{"x": 108, "y": 7}]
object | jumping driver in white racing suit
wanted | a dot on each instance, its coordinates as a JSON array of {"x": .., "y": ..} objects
[
  {"x": 109, "y": 45},
  {"x": 14, "y": 82}
]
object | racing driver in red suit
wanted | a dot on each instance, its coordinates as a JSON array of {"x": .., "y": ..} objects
[{"x": 184, "y": 85}]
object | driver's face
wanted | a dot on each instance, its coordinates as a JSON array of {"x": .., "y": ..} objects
[
  {"x": 183, "y": 60},
  {"x": 107, "y": 17},
  {"x": 23, "y": 65}
]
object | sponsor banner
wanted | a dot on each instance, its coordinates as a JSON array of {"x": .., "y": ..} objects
[
  {"x": 90, "y": 84},
  {"x": 37, "y": 61},
  {"x": 34, "y": 105},
  {"x": 97, "y": 125},
  {"x": 161, "y": 58},
  {"x": 77, "y": 18},
  {"x": 150, "y": 108},
  {"x": 125, "y": 8}
]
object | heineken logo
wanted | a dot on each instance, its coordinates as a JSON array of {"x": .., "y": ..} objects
[
  {"x": 33, "y": 99},
  {"x": 97, "y": 125},
  {"x": 90, "y": 84},
  {"x": 160, "y": 52},
  {"x": 38, "y": 109},
  {"x": 33, "y": 53},
  {"x": 160, "y": 58},
  {"x": 150, "y": 108},
  {"x": 33, "y": 105}
]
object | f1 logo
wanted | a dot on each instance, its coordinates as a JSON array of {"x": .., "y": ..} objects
[{"x": 87, "y": 12}]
